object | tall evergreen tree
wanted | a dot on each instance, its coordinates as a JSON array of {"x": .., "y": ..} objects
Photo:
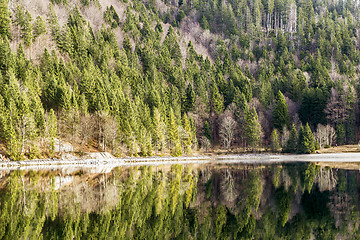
[
  {"x": 216, "y": 99},
  {"x": 187, "y": 138},
  {"x": 306, "y": 142},
  {"x": 5, "y": 21},
  {"x": 274, "y": 145},
  {"x": 52, "y": 130},
  {"x": 291, "y": 145},
  {"x": 280, "y": 113},
  {"x": 27, "y": 29},
  {"x": 159, "y": 131},
  {"x": 173, "y": 134},
  {"x": 252, "y": 128}
]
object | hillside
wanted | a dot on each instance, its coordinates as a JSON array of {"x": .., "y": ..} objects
[{"x": 154, "y": 77}]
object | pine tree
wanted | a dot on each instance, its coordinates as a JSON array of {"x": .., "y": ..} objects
[
  {"x": 52, "y": 129},
  {"x": 207, "y": 131},
  {"x": 27, "y": 29},
  {"x": 280, "y": 113},
  {"x": 275, "y": 146},
  {"x": 5, "y": 21},
  {"x": 187, "y": 138},
  {"x": 39, "y": 27},
  {"x": 216, "y": 99},
  {"x": 291, "y": 145},
  {"x": 190, "y": 99},
  {"x": 159, "y": 131},
  {"x": 173, "y": 134},
  {"x": 252, "y": 128},
  {"x": 306, "y": 142},
  {"x": 13, "y": 142}
]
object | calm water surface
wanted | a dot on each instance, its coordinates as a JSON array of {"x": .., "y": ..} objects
[{"x": 202, "y": 201}]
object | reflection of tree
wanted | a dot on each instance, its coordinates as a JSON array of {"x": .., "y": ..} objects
[{"x": 158, "y": 203}]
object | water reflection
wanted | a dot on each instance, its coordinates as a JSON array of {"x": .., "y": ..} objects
[{"x": 218, "y": 201}]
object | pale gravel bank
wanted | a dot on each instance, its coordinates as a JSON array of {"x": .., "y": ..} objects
[{"x": 109, "y": 162}]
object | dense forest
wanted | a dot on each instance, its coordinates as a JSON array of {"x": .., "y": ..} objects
[
  {"x": 182, "y": 202},
  {"x": 152, "y": 77}
]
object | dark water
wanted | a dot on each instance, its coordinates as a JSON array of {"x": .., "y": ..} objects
[{"x": 219, "y": 201}]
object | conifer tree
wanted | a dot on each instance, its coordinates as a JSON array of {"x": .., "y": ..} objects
[
  {"x": 280, "y": 113},
  {"x": 27, "y": 29},
  {"x": 159, "y": 131},
  {"x": 190, "y": 99},
  {"x": 39, "y": 27},
  {"x": 173, "y": 134},
  {"x": 207, "y": 131},
  {"x": 216, "y": 99},
  {"x": 13, "y": 142},
  {"x": 5, "y": 21},
  {"x": 291, "y": 145},
  {"x": 187, "y": 138},
  {"x": 52, "y": 130},
  {"x": 306, "y": 142},
  {"x": 252, "y": 128},
  {"x": 275, "y": 146}
]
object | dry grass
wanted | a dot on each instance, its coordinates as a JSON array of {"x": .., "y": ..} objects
[{"x": 340, "y": 149}]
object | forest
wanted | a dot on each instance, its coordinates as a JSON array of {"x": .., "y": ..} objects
[
  {"x": 152, "y": 77},
  {"x": 297, "y": 201}
]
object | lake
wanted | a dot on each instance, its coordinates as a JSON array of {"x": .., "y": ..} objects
[{"x": 188, "y": 201}]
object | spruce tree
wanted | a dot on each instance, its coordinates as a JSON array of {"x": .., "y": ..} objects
[
  {"x": 27, "y": 29},
  {"x": 190, "y": 99},
  {"x": 252, "y": 128},
  {"x": 306, "y": 142},
  {"x": 52, "y": 130},
  {"x": 173, "y": 134},
  {"x": 216, "y": 99},
  {"x": 159, "y": 131},
  {"x": 207, "y": 131},
  {"x": 291, "y": 145},
  {"x": 5, "y": 21},
  {"x": 275, "y": 146},
  {"x": 187, "y": 138},
  {"x": 280, "y": 113},
  {"x": 39, "y": 27}
]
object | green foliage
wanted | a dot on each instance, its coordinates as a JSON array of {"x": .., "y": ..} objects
[
  {"x": 5, "y": 21},
  {"x": 291, "y": 145},
  {"x": 39, "y": 27},
  {"x": 283, "y": 201},
  {"x": 309, "y": 177},
  {"x": 250, "y": 63},
  {"x": 274, "y": 145},
  {"x": 111, "y": 17},
  {"x": 148, "y": 202},
  {"x": 173, "y": 133},
  {"x": 253, "y": 128},
  {"x": 280, "y": 113},
  {"x": 306, "y": 142},
  {"x": 216, "y": 99}
]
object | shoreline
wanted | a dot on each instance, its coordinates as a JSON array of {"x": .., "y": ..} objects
[{"x": 249, "y": 158}]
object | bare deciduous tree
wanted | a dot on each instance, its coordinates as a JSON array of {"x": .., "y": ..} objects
[
  {"x": 87, "y": 125},
  {"x": 205, "y": 143},
  {"x": 227, "y": 131},
  {"x": 325, "y": 135},
  {"x": 336, "y": 108}
]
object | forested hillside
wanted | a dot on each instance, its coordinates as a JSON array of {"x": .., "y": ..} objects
[{"x": 153, "y": 77}]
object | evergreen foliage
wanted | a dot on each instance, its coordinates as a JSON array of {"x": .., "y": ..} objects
[
  {"x": 306, "y": 142},
  {"x": 160, "y": 203},
  {"x": 291, "y": 145},
  {"x": 110, "y": 92},
  {"x": 280, "y": 113},
  {"x": 274, "y": 145}
]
